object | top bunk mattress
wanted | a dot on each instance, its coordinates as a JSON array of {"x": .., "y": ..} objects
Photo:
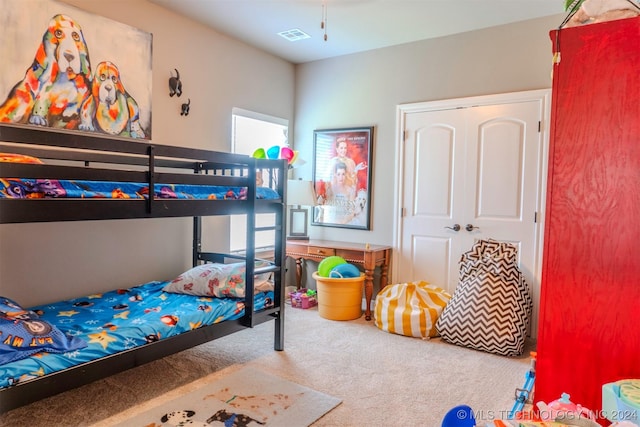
[{"x": 21, "y": 188}]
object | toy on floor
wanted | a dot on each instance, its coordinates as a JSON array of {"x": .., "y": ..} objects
[
  {"x": 304, "y": 298},
  {"x": 621, "y": 401},
  {"x": 563, "y": 408},
  {"x": 459, "y": 416},
  {"x": 523, "y": 395}
]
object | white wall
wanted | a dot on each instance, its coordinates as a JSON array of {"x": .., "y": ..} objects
[
  {"x": 365, "y": 89},
  {"x": 41, "y": 263}
]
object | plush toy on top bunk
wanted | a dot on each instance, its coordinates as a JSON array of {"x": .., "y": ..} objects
[{"x": 583, "y": 12}]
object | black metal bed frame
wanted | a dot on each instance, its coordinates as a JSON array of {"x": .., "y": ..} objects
[{"x": 73, "y": 155}]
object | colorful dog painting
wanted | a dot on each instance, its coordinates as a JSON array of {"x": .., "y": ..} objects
[
  {"x": 57, "y": 82},
  {"x": 49, "y": 79},
  {"x": 110, "y": 108}
]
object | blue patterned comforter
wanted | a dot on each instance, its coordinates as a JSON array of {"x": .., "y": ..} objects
[
  {"x": 14, "y": 188},
  {"x": 121, "y": 320}
]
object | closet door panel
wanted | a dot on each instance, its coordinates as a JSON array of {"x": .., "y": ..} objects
[{"x": 500, "y": 168}]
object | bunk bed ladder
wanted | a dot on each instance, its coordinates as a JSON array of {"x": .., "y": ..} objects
[
  {"x": 252, "y": 318},
  {"x": 278, "y": 270}
]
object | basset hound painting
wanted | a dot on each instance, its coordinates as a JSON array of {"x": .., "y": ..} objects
[
  {"x": 110, "y": 108},
  {"x": 57, "y": 82},
  {"x": 61, "y": 88}
]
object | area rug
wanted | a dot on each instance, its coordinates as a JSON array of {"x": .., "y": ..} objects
[{"x": 247, "y": 397}]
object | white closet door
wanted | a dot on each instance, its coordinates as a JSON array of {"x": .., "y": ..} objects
[
  {"x": 434, "y": 197},
  {"x": 469, "y": 167}
]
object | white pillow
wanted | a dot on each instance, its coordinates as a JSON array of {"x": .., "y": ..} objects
[{"x": 218, "y": 280}]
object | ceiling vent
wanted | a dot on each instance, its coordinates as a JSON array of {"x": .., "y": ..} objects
[{"x": 294, "y": 35}]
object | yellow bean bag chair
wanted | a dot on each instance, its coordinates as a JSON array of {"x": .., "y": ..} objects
[{"x": 410, "y": 309}]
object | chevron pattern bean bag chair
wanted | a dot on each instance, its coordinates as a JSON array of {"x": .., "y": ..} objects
[{"x": 491, "y": 307}]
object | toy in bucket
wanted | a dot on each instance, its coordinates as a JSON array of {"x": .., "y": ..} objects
[
  {"x": 344, "y": 271},
  {"x": 337, "y": 267},
  {"x": 328, "y": 264}
]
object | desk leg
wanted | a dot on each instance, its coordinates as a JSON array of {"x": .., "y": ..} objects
[
  {"x": 298, "y": 273},
  {"x": 368, "y": 291},
  {"x": 384, "y": 271}
]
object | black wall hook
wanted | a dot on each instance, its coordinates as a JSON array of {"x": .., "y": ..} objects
[
  {"x": 185, "y": 108},
  {"x": 175, "y": 85}
]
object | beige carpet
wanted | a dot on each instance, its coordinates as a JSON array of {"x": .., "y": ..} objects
[{"x": 381, "y": 378}]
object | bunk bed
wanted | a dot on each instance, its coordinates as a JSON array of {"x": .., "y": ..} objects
[{"x": 70, "y": 176}]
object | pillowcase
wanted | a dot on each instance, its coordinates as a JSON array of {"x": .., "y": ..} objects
[
  {"x": 219, "y": 280},
  {"x": 23, "y": 333},
  {"x": 19, "y": 158}
]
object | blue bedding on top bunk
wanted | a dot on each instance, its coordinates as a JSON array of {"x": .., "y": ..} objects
[
  {"x": 14, "y": 188},
  {"x": 121, "y": 320}
]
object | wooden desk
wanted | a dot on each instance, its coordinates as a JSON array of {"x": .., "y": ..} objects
[{"x": 368, "y": 256}]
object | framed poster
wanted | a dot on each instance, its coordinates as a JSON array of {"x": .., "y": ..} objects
[{"x": 342, "y": 170}]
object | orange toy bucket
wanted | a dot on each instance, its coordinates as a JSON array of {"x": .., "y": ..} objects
[{"x": 339, "y": 298}]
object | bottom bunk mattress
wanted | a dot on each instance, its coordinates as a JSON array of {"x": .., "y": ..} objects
[{"x": 72, "y": 332}]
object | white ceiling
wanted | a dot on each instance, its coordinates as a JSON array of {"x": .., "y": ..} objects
[{"x": 352, "y": 25}]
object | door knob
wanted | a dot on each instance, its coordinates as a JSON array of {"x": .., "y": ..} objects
[
  {"x": 456, "y": 227},
  {"x": 470, "y": 227}
]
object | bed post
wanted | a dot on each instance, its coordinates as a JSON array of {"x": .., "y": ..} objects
[
  {"x": 151, "y": 177},
  {"x": 197, "y": 239},
  {"x": 280, "y": 256},
  {"x": 250, "y": 244}
]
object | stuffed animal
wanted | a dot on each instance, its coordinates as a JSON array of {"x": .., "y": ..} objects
[{"x": 593, "y": 11}]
